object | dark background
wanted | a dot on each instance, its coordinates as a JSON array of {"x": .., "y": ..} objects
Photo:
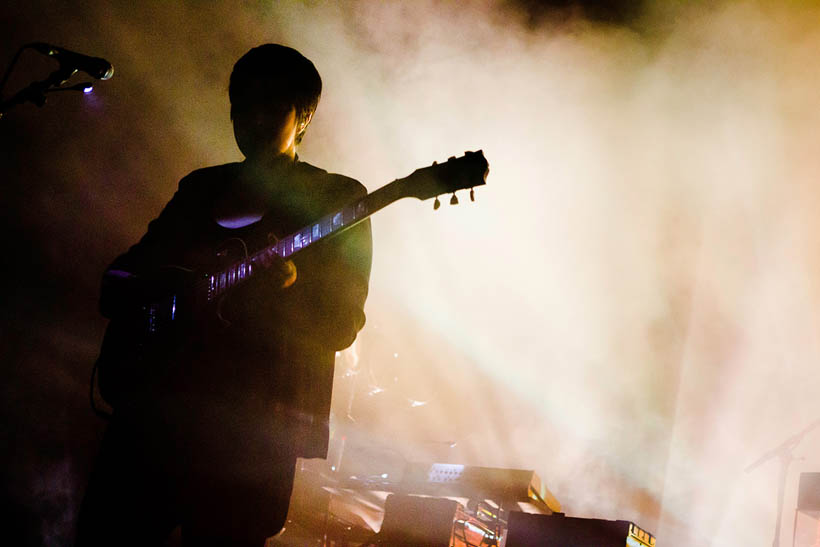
[{"x": 646, "y": 440}]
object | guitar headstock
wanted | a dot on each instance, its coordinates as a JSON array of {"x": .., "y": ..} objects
[{"x": 468, "y": 171}]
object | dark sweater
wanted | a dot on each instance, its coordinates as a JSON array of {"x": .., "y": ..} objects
[{"x": 272, "y": 368}]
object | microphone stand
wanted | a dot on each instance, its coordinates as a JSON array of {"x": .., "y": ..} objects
[
  {"x": 784, "y": 453},
  {"x": 36, "y": 91}
]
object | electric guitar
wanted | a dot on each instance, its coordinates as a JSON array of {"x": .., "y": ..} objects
[{"x": 182, "y": 298}]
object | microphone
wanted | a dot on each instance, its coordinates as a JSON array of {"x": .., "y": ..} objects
[{"x": 93, "y": 66}]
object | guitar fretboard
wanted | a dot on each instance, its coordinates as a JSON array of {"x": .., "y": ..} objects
[{"x": 218, "y": 283}]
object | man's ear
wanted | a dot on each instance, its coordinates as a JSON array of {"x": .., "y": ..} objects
[
  {"x": 302, "y": 128},
  {"x": 305, "y": 123}
]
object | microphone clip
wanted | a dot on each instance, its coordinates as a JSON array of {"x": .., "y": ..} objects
[{"x": 36, "y": 91}]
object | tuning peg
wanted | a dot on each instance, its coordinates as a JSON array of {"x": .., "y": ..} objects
[
  {"x": 454, "y": 199},
  {"x": 436, "y": 204},
  {"x": 472, "y": 194},
  {"x": 451, "y": 158}
]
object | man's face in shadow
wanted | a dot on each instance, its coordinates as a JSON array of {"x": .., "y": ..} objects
[{"x": 265, "y": 130}]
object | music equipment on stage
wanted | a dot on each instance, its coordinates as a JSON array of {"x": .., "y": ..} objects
[
  {"x": 509, "y": 488},
  {"x": 411, "y": 521},
  {"x": 528, "y": 530},
  {"x": 424, "y": 485},
  {"x": 179, "y": 299},
  {"x": 808, "y": 493},
  {"x": 503, "y": 506},
  {"x": 806, "y": 530},
  {"x": 415, "y": 521},
  {"x": 504, "y": 486}
]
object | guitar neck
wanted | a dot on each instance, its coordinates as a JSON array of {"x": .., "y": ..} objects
[
  {"x": 455, "y": 174},
  {"x": 217, "y": 283},
  {"x": 333, "y": 223}
]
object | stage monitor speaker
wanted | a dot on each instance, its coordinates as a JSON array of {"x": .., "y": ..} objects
[
  {"x": 808, "y": 494},
  {"x": 528, "y": 530},
  {"x": 806, "y": 531},
  {"x": 414, "y": 521}
]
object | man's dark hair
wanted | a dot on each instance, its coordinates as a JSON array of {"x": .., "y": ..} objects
[{"x": 275, "y": 74}]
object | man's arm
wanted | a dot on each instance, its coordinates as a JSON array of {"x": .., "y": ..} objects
[
  {"x": 327, "y": 301},
  {"x": 325, "y": 306},
  {"x": 121, "y": 283}
]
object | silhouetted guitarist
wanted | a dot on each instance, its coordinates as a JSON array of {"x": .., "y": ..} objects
[{"x": 206, "y": 435}]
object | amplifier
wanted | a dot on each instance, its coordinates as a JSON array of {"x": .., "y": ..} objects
[
  {"x": 528, "y": 530},
  {"x": 417, "y": 521}
]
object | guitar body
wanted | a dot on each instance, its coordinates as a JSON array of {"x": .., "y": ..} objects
[{"x": 142, "y": 342}]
